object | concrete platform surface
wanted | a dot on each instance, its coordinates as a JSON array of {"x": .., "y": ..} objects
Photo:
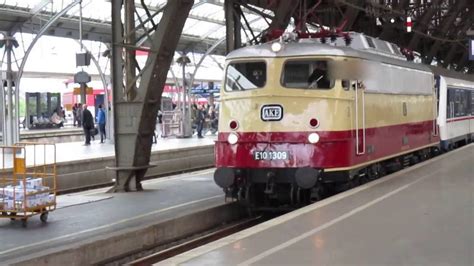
[
  {"x": 52, "y": 135},
  {"x": 50, "y": 131},
  {"x": 93, "y": 214},
  {"x": 423, "y": 215},
  {"x": 74, "y": 151},
  {"x": 77, "y": 151},
  {"x": 82, "y": 167}
]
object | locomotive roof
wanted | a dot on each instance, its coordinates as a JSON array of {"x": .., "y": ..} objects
[{"x": 313, "y": 48}]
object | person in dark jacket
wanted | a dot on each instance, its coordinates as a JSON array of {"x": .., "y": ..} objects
[
  {"x": 87, "y": 123},
  {"x": 201, "y": 116},
  {"x": 319, "y": 77},
  {"x": 213, "y": 119},
  {"x": 74, "y": 114},
  {"x": 79, "y": 114},
  {"x": 101, "y": 122}
]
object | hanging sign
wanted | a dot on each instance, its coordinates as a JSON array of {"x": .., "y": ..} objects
[{"x": 77, "y": 91}]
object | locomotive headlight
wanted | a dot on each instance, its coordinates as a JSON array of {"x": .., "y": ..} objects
[
  {"x": 232, "y": 138},
  {"x": 313, "y": 138},
  {"x": 276, "y": 47}
]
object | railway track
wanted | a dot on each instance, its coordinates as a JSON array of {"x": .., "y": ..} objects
[{"x": 199, "y": 241}]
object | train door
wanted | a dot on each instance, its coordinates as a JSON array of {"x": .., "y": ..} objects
[
  {"x": 360, "y": 133},
  {"x": 436, "y": 101}
]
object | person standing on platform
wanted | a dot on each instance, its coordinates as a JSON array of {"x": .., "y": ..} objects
[
  {"x": 87, "y": 124},
  {"x": 101, "y": 122},
  {"x": 79, "y": 115},
  {"x": 74, "y": 114},
  {"x": 194, "y": 111},
  {"x": 160, "y": 124},
  {"x": 158, "y": 127},
  {"x": 201, "y": 116},
  {"x": 213, "y": 122}
]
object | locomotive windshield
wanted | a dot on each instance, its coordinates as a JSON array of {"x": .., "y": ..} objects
[
  {"x": 244, "y": 76},
  {"x": 306, "y": 74}
]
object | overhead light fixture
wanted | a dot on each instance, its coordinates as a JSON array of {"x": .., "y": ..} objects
[
  {"x": 183, "y": 60},
  {"x": 276, "y": 47}
]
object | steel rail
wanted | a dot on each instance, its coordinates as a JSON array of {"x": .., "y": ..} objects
[{"x": 200, "y": 241}]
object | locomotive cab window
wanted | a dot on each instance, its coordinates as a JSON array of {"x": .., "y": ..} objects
[
  {"x": 306, "y": 75},
  {"x": 244, "y": 76}
]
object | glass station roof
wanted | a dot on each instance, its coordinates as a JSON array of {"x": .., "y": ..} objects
[{"x": 206, "y": 20}]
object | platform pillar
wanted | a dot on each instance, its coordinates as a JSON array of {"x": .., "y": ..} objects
[
  {"x": 9, "y": 115},
  {"x": 135, "y": 110}
]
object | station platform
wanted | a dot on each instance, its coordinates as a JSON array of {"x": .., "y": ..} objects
[
  {"x": 84, "y": 224},
  {"x": 53, "y": 135},
  {"x": 74, "y": 151},
  {"x": 423, "y": 215},
  {"x": 82, "y": 167}
]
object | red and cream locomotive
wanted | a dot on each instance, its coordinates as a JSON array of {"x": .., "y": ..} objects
[{"x": 298, "y": 118}]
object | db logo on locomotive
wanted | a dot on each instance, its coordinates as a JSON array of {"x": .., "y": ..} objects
[{"x": 271, "y": 112}]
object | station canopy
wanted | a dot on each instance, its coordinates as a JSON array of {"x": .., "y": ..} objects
[{"x": 204, "y": 27}]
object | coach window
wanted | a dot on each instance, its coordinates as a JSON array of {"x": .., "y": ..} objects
[
  {"x": 450, "y": 105},
  {"x": 244, "y": 76},
  {"x": 460, "y": 103},
  {"x": 469, "y": 103},
  {"x": 306, "y": 75}
]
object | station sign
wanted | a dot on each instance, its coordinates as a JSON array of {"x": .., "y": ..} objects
[
  {"x": 471, "y": 50},
  {"x": 77, "y": 91},
  {"x": 201, "y": 91},
  {"x": 205, "y": 89}
]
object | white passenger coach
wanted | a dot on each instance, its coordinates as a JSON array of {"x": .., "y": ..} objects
[{"x": 455, "y": 109}]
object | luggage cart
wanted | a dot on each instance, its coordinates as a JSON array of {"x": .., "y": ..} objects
[{"x": 27, "y": 181}]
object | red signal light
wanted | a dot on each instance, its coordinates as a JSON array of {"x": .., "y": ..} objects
[
  {"x": 314, "y": 123},
  {"x": 233, "y": 125}
]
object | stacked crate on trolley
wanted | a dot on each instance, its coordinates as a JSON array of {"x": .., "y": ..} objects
[
  {"x": 27, "y": 181},
  {"x": 171, "y": 123}
]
